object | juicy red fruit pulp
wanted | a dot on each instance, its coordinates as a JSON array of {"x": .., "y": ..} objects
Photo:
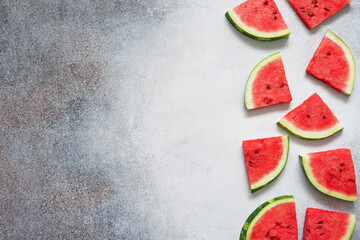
[
  {"x": 329, "y": 64},
  {"x": 313, "y": 12},
  {"x": 263, "y": 15},
  {"x": 270, "y": 86},
  {"x": 312, "y": 115},
  {"x": 262, "y": 156},
  {"x": 277, "y": 223},
  {"x": 334, "y": 170},
  {"x": 325, "y": 225}
]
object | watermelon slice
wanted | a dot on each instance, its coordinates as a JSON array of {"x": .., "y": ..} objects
[
  {"x": 258, "y": 19},
  {"x": 328, "y": 225},
  {"x": 265, "y": 159},
  {"x": 313, "y": 12},
  {"x": 267, "y": 84},
  {"x": 274, "y": 219},
  {"x": 333, "y": 63},
  {"x": 313, "y": 119},
  {"x": 331, "y": 172}
]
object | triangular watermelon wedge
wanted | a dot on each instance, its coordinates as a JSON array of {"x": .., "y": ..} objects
[
  {"x": 331, "y": 172},
  {"x": 267, "y": 84},
  {"x": 313, "y": 12},
  {"x": 313, "y": 119},
  {"x": 333, "y": 63},
  {"x": 258, "y": 19},
  {"x": 265, "y": 159},
  {"x": 274, "y": 219},
  {"x": 328, "y": 225}
]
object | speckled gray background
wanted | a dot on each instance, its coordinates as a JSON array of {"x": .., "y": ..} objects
[{"x": 124, "y": 119}]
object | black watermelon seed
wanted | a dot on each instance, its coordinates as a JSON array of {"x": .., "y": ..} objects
[
  {"x": 326, "y": 9},
  {"x": 324, "y": 116},
  {"x": 316, "y": 6},
  {"x": 311, "y": 14},
  {"x": 274, "y": 12},
  {"x": 308, "y": 230},
  {"x": 302, "y": 8},
  {"x": 313, "y": 2},
  {"x": 319, "y": 227},
  {"x": 275, "y": 17},
  {"x": 308, "y": 116},
  {"x": 342, "y": 164},
  {"x": 320, "y": 222},
  {"x": 328, "y": 54},
  {"x": 256, "y": 152},
  {"x": 340, "y": 170},
  {"x": 282, "y": 85},
  {"x": 267, "y": 102},
  {"x": 266, "y": 2},
  {"x": 268, "y": 86}
]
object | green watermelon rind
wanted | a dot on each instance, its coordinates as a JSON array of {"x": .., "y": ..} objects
[
  {"x": 310, "y": 135},
  {"x": 270, "y": 177},
  {"x": 350, "y": 59},
  {"x": 253, "y": 33},
  {"x": 351, "y": 226},
  {"x": 248, "y": 89},
  {"x": 304, "y": 162},
  {"x": 260, "y": 211}
]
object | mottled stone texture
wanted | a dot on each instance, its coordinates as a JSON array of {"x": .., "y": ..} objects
[
  {"x": 57, "y": 180},
  {"x": 123, "y": 119}
]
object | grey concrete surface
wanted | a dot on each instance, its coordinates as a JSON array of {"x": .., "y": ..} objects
[{"x": 124, "y": 119}]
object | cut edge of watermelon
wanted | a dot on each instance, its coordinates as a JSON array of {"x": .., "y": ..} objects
[
  {"x": 305, "y": 164},
  {"x": 252, "y": 32},
  {"x": 260, "y": 211},
  {"x": 312, "y": 135},
  {"x": 349, "y": 57},
  {"x": 351, "y": 227},
  {"x": 249, "y": 84},
  {"x": 276, "y": 172}
]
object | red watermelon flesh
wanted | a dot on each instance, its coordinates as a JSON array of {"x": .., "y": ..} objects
[
  {"x": 263, "y": 15},
  {"x": 258, "y": 19},
  {"x": 333, "y": 64},
  {"x": 269, "y": 86},
  {"x": 313, "y": 12},
  {"x": 277, "y": 223},
  {"x": 313, "y": 119},
  {"x": 265, "y": 158},
  {"x": 312, "y": 114},
  {"x": 327, "y": 225},
  {"x": 334, "y": 171}
]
